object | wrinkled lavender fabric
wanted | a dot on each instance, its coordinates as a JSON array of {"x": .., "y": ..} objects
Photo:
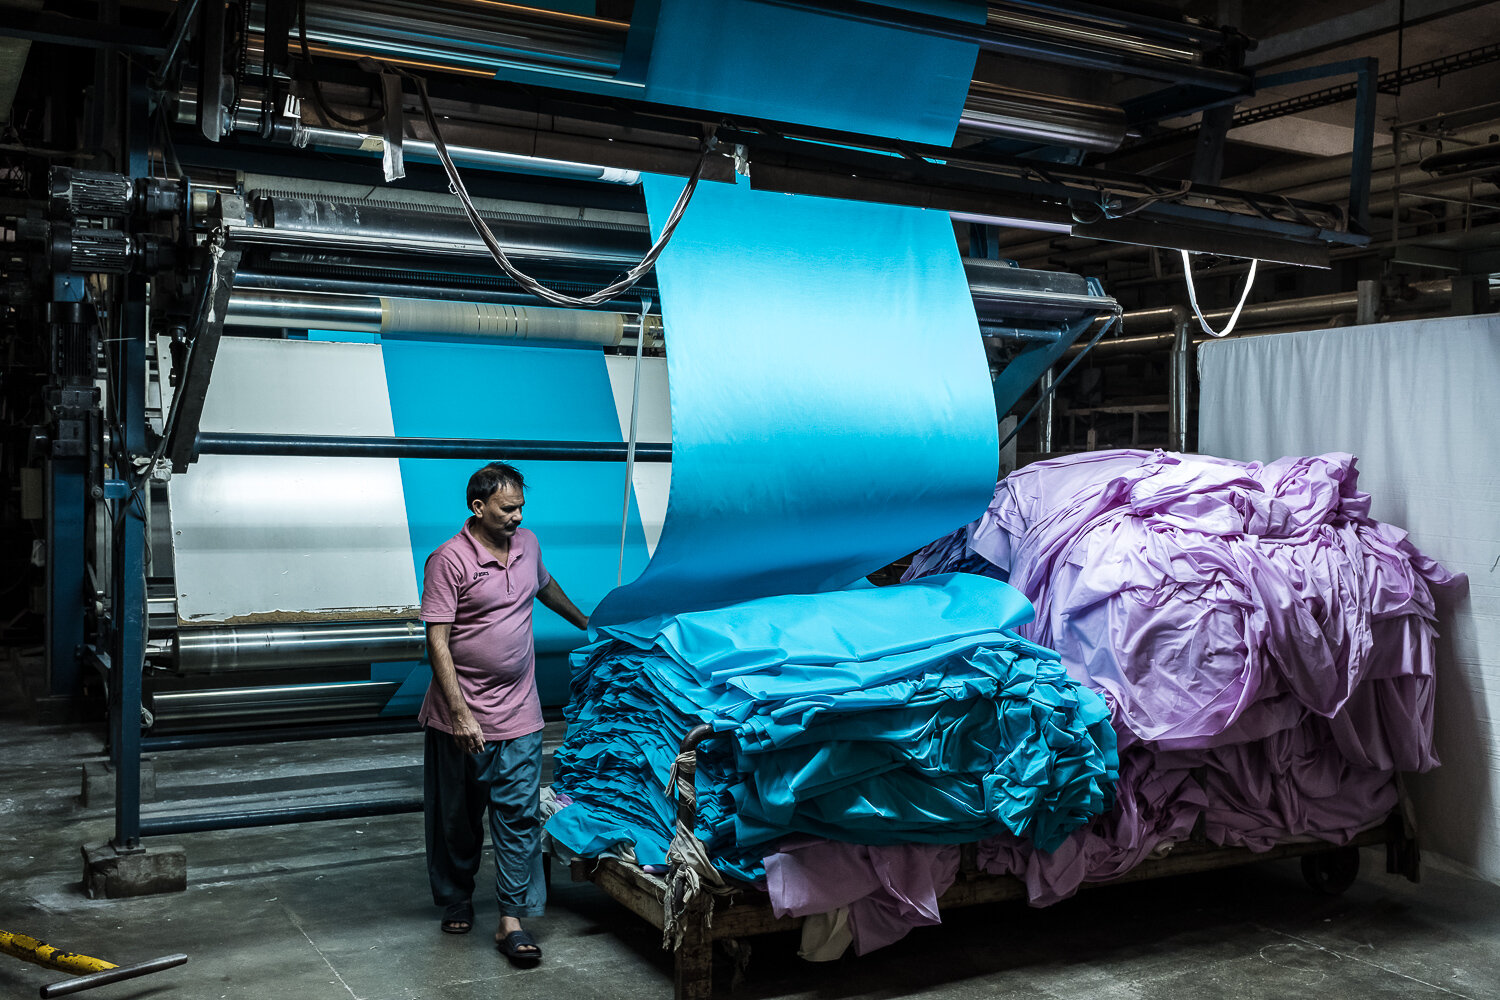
[
  {"x": 1155, "y": 806},
  {"x": 888, "y": 890},
  {"x": 1265, "y": 646}
]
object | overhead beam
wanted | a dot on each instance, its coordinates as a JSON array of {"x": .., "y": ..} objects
[
  {"x": 1023, "y": 45},
  {"x": 1148, "y": 233},
  {"x": 59, "y": 29},
  {"x": 1337, "y": 32}
]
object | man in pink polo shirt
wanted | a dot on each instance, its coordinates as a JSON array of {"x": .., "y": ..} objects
[{"x": 482, "y": 715}]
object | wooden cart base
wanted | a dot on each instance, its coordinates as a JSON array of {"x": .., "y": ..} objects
[{"x": 746, "y": 912}]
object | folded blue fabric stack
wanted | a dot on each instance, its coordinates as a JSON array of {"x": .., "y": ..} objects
[{"x": 906, "y": 714}]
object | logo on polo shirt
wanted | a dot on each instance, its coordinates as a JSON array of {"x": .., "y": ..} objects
[{"x": 481, "y": 573}]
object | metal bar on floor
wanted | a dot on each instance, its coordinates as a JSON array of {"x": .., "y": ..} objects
[
  {"x": 118, "y": 974},
  {"x": 277, "y": 734},
  {"x": 154, "y": 826}
]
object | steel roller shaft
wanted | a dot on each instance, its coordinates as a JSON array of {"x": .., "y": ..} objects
[
  {"x": 239, "y": 706},
  {"x": 393, "y": 316},
  {"x": 217, "y": 650}
]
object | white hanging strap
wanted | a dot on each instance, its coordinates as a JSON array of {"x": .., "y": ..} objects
[
  {"x": 635, "y": 406},
  {"x": 1187, "y": 269}
]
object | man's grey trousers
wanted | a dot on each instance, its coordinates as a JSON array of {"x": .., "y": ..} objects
[{"x": 506, "y": 777}]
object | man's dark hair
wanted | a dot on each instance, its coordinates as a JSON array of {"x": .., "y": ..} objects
[{"x": 484, "y": 483}]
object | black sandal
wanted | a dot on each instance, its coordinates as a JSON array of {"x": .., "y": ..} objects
[
  {"x": 510, "y": 946},
  {"x": 458, "y": 918}
]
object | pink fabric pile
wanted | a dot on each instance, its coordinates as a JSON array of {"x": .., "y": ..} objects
[{"x": 1265, "y": 646}]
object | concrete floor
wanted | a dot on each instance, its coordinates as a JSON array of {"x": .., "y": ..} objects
[{"x": 338, "y": 910}]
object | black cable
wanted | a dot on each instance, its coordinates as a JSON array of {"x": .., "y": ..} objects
[
  {"x": 530, "y": 284},
  {"x": 315, "y": 91}
]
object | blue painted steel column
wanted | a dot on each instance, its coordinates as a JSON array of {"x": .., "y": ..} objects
[
  {"x": 128, "y": 590},
  {"x": 67, "y": 578},
  {"x": 1366, "y": 71},
  {"x": 128, "y": 579},
  {"x": 984, "y": 241},
  {"x": 67, "y": 572}
]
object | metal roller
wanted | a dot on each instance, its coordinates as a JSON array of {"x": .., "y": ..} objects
[
  {"x": 1000, "y": 293},
  {"x": 489, "y": 319},
  {"x": 239, "y": 706},
  {"x": 485, "y": 38},
  {"x": 221, "y": 650},
  {"x": 333, "y": 215},
  {"x": 396, "y": 317},
  {"x": 333, "y": 224},
  {"x": 1041, "y": 119}
]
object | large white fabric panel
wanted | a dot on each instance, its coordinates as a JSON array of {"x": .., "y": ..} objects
[
  {"x": 259, "y": 538},
  {"x": 1419, "y": 404}
]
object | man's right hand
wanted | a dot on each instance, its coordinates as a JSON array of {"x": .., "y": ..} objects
[{"x": 467, "y": 734}]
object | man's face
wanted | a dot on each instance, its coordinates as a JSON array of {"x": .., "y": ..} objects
[{"x": 500, "y": 515}]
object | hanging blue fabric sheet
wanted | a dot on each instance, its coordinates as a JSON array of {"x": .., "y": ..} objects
[
  {"x": 831, "y": 403},
  {"x": 517, "y": 393},
  {"x": 831, "y": 411},
  {"x": 757, "y": 60}
]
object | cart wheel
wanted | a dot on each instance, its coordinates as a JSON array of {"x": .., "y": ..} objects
[{"x": 1331, "y": 872}]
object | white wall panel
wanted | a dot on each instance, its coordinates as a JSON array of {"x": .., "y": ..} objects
[{"x": 1419, "y": 404}]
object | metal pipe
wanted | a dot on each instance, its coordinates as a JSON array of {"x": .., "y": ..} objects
[
  {"x": 1128, "y": 345},
  {"x": 353, "y": 301},
  {"x": 1181, "y": 384},
  {"x": 333, "y": 215},
  {"x": 411, "y": 245},
  {"x": 1285, "y": 311},
  {"x": 118, "y": 974},
  {"x": 1056, "y": 25},
  {"x": 492, "y": 37},
  {"x": 473, "y": 156},
  {"x": 395, "y": 317},
  {"x": 364, "y": 281},
  {"x": 304, "y": 310},
  {"x": 993, "y": 110},
  {"x": 1010, "y": 40},
  {"x": 1142, "y": 24},
  {"x": 425, "y": 447},
  {"x": 331, "y": 223},
  {"x": 1046, "y": 421},
  {"x": 992, "y": 306},
  {"x": 240, "y": 704},
  {"x": 278, "y": 734},
  {"x": 216, "y": 650},
  {"x": 249, "y": 113},
  {"x": 1256, "y": 320},
  {"x": 244, "y": 818},
  {"x": 1334, "y": 191}
]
